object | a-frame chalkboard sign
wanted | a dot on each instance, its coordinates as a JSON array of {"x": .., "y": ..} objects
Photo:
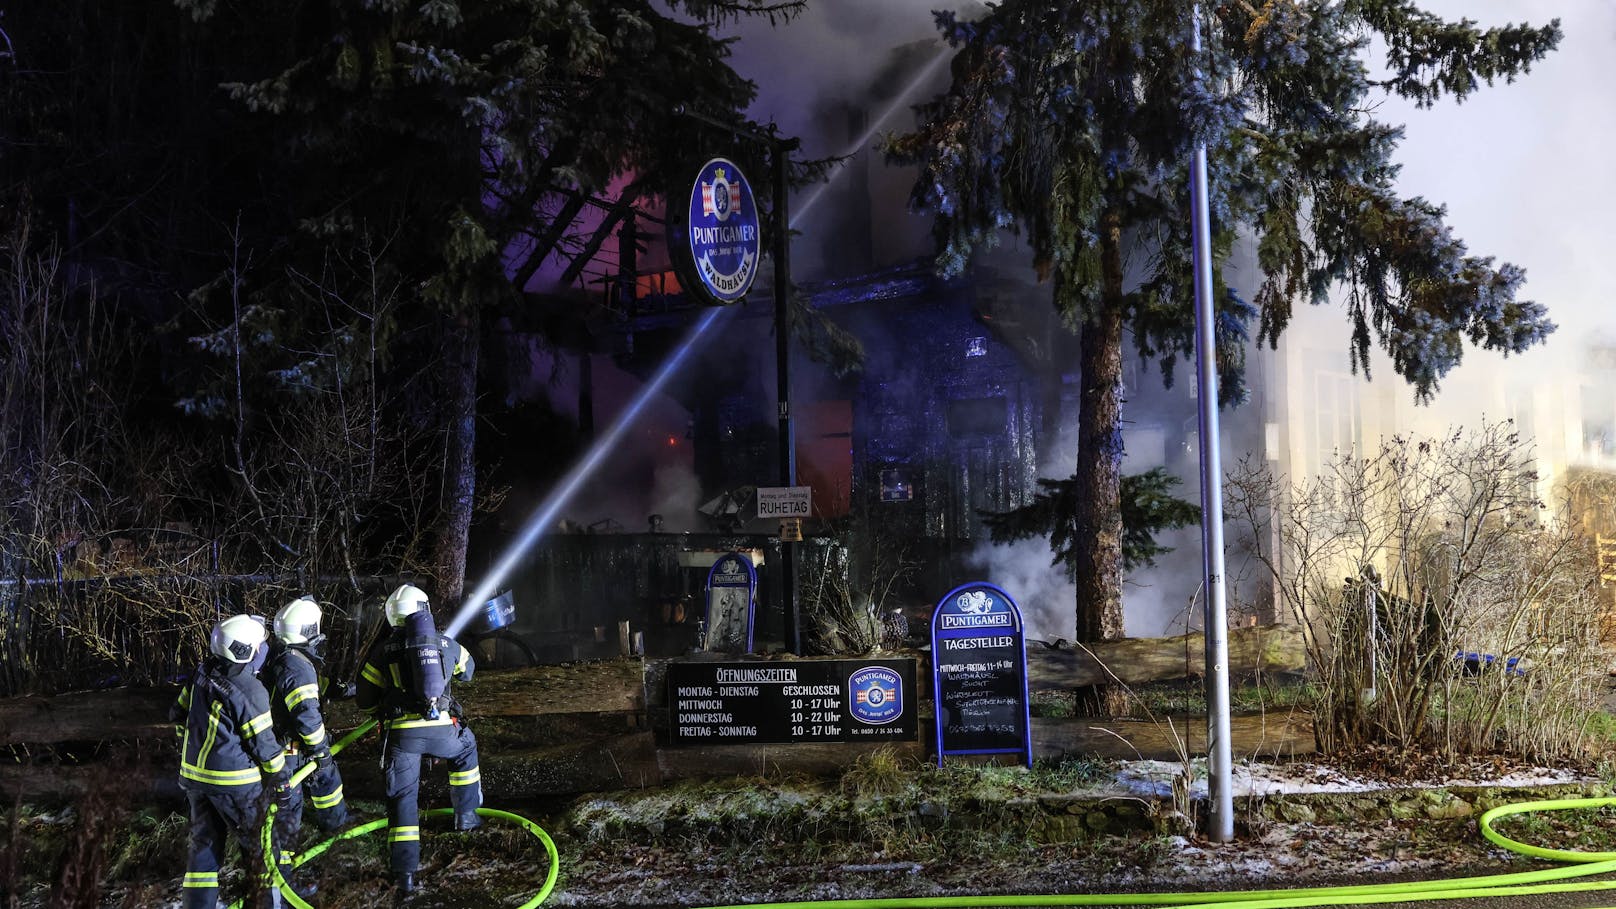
[{"x": 979, "y": 673}]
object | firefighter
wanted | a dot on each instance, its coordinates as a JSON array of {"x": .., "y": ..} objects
[
  {"x": 228, "y": 755},
  {"x": 404, "y": 684},
  {"x": 296, "y": 652}
]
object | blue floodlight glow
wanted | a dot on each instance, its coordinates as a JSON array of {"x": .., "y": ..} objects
[{"x": 543, "y": 518}]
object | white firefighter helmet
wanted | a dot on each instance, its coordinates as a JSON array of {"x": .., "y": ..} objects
[
  {"x": 407, "y": 600},
  {"x": 298, "y": 621},
  {"x": 237, "y": 638}
]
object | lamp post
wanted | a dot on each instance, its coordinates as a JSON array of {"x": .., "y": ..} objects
[
  {"x": 1220, "y": 763},
  {"x": 779, "y": 152}
]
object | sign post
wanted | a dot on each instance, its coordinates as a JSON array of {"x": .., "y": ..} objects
[
  {"x": 979, "y": 674},
  {"x": 790, "y": 504}
]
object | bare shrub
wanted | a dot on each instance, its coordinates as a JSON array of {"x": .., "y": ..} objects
[
  {"x": 848, "y": 580},
  {"x": 128, "y": 526},
  {"x": 1398, "y": 564}
]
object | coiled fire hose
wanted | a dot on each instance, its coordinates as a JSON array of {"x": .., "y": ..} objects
[
  {"x": 1563, "y": 879},
  {"x": 313, "y": 852}
]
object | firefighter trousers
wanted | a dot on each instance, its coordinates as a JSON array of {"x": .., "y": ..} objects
[
  {"x": 402, "y": 766},
  {"x": 215, "y": 817},
  {"x": 323, "y": 788}
]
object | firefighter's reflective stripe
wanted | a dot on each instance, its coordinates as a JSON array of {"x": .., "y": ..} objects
[
  {"x": 416, "y": 721},
  {"x": 465, "y": 778},
  {"x": 461, "y": 661},
  {"x": 246, "y": 777},
  {"x": 275, "y": 764},
  {"x": 256, "y": 725},
  {"x": 215, "y": 711},
  {"x": 298, "y": 695},
  {"x": 315, "y": 737},
  {"x": 204, "y": 879},
  {"x": 330, "y": 800},
  {"x": 371, "y": 674},
  {"x": 403, "y": 834}
]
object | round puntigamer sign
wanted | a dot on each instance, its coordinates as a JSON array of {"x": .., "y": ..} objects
[{"x": 722, "y": 231}]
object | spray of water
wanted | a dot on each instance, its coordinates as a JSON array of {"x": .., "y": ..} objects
[
  {"x": 863, "y": 141},
  {"x": 544, "y": 517}
]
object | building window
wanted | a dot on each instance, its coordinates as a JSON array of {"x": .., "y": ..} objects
[
  {"x": 977, "y": 416},
  {"x": 1335, "y": 424},
  {"x": 1598, "y": 421},
  {"x": 897, "y": 485}
]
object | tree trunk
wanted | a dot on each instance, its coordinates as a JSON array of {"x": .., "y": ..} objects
[
  {"x": 1099, "y": 472},
  {"x": 461, "y": 349}
]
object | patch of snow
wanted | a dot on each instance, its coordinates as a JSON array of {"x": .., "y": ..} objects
[{"x": 1155, "y": 778}]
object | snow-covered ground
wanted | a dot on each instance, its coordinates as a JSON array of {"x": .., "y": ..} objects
[{"x": 1155, "y": 778}]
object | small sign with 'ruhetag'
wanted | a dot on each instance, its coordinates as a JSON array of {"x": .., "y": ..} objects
[{"x": 783, "y": 501}]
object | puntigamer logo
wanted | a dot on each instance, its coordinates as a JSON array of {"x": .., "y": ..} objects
[
  {"x": 976, "y": 609},
  {"x": 729, "y": 572},
  {"x": 875, "y": 695},
  {"x": 725, "y": 241},
  {"x": 995, "y": 620}
]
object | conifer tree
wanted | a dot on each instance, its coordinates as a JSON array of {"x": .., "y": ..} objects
[
  {"x": 1073, "y": 123},
  {"x": 371, "y": 172}
]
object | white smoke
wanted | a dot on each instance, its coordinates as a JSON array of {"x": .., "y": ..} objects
[{"x": 833, "y": 51}]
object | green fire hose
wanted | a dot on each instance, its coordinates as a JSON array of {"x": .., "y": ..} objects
[
  {"x": 313, "y": 852},
  {"x": 1563, "y": 879}
]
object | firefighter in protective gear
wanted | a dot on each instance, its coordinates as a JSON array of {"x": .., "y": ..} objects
[
  {"x": 229, "y": 753},
  {"x": 390, "y": 689},
  {"x": 296, "y": 651}
]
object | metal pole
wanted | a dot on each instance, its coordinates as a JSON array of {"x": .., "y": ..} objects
[
  {"x": 780, "y": 152},
  {"x": 1220, "y": 770}
]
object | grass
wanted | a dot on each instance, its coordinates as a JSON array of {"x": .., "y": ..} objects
[{"x": 1578, "y": 830}]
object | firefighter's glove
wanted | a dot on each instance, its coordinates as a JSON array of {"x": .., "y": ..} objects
[
  {"x": 344, "y": 691},
  {"x": 283, "y": 792},
  {"x": 322, "y": 757}
]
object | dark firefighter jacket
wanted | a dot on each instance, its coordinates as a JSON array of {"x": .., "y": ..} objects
[
  {"x": 383, "y": 688},
  {"x": 229, "y": 739},
  {"x": 294, "y": 704}
]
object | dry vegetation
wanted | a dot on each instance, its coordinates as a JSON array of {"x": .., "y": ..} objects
[
  {"x": 126, "y": 532},
  {"x": 1446, "y": 549}
]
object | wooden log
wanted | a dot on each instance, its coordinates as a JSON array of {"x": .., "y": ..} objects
[
  {"x": 87, "y": 716},
  {"x": 130, "y": 772},
  {"x": 607, "y": 686},
  {"x": 611, "y": 686},
  {"x": 623, "y": 686},
  {"x": 1280, "y": 734},
  {"x": 1134, "y": 661}
]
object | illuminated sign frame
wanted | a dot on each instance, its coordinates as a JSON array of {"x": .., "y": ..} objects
[{"x": 717, "y": 237}]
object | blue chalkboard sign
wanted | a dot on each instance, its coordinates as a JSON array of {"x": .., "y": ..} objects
[
  {"x": 979, "y": 673},
  {"x": 717, "y": 238},
  {"x": 731, "y": 601}
]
